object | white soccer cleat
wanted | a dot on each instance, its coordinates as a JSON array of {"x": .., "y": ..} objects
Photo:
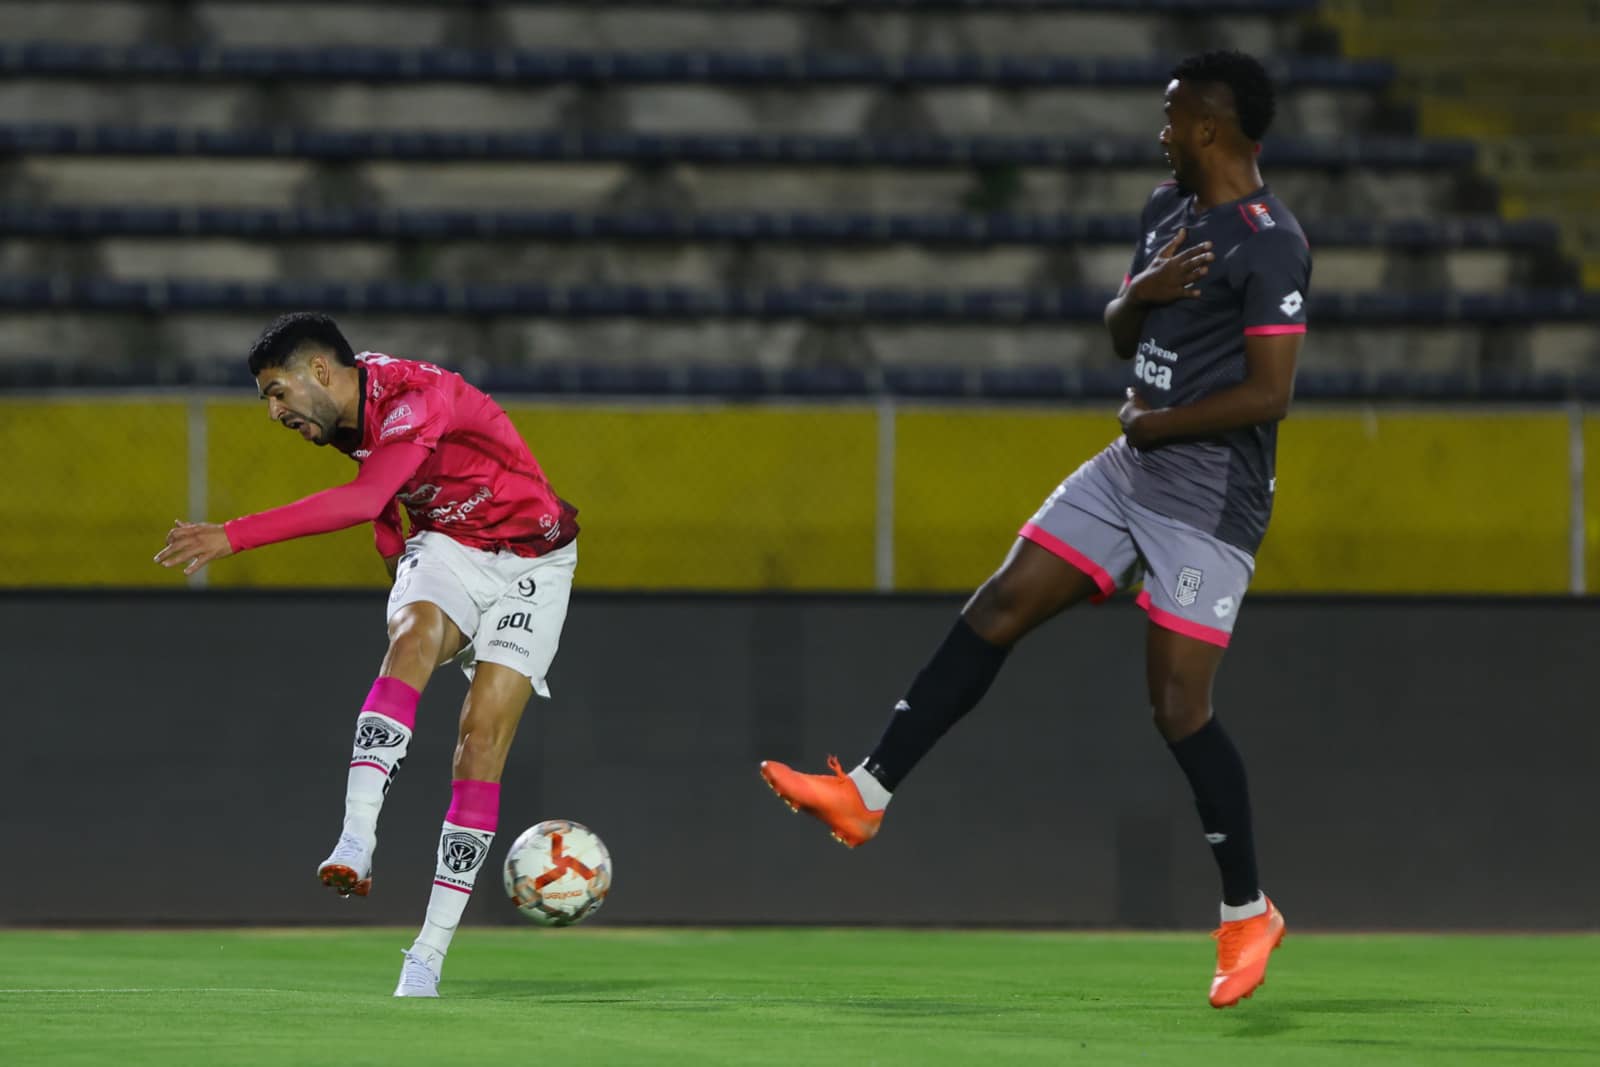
[
  {"x": 348, "y": 871},
  {"x": 417, "y": 978}
]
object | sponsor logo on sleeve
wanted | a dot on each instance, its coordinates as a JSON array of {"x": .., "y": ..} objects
[{"x": 1291, "y": 304}]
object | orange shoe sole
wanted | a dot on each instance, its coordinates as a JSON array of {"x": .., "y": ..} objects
[{"x": 344, "y": 880}]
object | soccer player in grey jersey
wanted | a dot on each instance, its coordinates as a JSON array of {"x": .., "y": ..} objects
[{"x": 1211, "y": 317}]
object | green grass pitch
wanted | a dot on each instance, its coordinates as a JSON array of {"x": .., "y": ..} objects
[{"x": 789, "y": 996}]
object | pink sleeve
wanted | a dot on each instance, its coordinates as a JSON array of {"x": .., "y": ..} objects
[
  {"x": 363, "y": 500},
  {"x": 419, "y": 416},
  {"x": 391, "y": 539}
]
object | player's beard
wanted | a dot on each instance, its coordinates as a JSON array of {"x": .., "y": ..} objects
[
  {"x": 324, "y": 416},
  {"x": 1174, "y": 165}
]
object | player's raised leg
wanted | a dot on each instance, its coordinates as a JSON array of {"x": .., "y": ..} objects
[
  {"x": 489, "y": 721},
  {"x": 1180, "y": 670},
  {"x": 421, "y": 636},
  {"x": 1032, "y": 585}
]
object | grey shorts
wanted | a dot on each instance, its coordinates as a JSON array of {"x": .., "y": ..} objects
[{"x": 1194, "y": 584}]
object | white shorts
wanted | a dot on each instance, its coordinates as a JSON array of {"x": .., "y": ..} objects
[{"x": 509, "y": 608}]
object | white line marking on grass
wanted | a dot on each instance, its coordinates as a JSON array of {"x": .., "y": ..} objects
[{"x": 170, "y": 989}]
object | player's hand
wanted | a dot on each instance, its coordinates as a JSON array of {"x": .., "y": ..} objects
[
  {"x": 194, "y": 544},
  {"x": 1173, "y": 275},
  {"x": 1133, "y": 411}
]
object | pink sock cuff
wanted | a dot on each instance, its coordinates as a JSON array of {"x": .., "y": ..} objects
[
  {"x": 474, "y": 804},
  {"x": 394, "y": 698}
]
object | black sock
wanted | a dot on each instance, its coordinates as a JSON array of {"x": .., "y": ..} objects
[
  {"x": 951, "y": 685},
  {"x": 1216, "y": 774}
]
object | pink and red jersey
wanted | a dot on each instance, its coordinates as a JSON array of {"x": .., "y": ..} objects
[{"x": 479, "y": 484}]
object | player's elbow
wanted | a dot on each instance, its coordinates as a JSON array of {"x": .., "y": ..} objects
[{"x": 1276, "y": 407}]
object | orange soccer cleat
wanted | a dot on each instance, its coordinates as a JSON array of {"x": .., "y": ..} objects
[
  {"x": 832, "y": 798},
  {"x": 1242, "y": 950}
]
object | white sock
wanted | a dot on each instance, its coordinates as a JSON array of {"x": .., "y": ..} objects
[
  {"x": 462, "y": 851},
  {"x": 380, "y": 748},
  {"x": 1258, "y": 906},
  {"x": 873, "y": 794}
]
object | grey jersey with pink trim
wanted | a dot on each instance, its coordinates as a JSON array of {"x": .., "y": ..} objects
[{"x": 1258, "y": 284}]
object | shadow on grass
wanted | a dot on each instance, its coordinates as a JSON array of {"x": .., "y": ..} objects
[
  {"x": 564, "y": 990},
  {"x": 1255, "y": 1021},
  {"x": 913, "y": 1006}
]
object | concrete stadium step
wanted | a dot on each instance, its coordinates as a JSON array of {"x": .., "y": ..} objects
[
  {"x": 655, "y": 109},
  {"x": 1490, "y": 115},
  {"x": 214, "y": 345},
  {"x": 1313, "y": 191},
  {"x": 998, "y": 28},
  {"x": 1519, "y": 33},
  {"x": 1500, "y": 76},
  {"x": 714, "y": 264}
]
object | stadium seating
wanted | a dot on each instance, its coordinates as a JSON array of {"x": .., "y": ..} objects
[{"x": 926, "y": 197}]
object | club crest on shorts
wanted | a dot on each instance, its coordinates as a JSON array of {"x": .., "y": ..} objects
[{"x": 1187, "y": 591}]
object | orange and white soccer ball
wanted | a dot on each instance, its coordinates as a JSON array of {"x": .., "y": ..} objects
[{"x": 558, "y": 872}]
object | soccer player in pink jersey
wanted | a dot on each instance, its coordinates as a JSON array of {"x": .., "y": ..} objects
[{"x": 483, "y": 580}]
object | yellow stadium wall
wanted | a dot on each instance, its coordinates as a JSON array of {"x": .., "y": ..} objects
[{"x": 784, "y": 497}]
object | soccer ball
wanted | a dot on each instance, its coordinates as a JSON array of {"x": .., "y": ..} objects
[{"x": 558, "y": 873}]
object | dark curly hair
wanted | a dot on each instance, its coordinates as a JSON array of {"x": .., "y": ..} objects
[
  {"x": 1254, "y": 100},
  {"x": 299, "y": 331}
]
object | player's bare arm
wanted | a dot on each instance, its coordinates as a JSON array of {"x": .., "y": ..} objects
[
  {"x": 1171, "y": 276},
  {"x": 1262, "y": 397}
]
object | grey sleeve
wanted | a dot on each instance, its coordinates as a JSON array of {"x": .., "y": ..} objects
[{"x": 1273, "y": 270}]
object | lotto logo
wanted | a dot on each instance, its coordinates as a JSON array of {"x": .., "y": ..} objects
[{"x": 1292, "y": 303}]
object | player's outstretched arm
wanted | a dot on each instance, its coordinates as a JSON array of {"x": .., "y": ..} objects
[
  {"x": 1263, "y": 396},
  {"x": 1172, "y": 275},
  {"x": 384, "y": 473}
]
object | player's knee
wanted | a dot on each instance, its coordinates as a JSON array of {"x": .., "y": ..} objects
[
  {"x": 1179, "y": 709},
  {"x": 481, "y": 749},
  {"x": 998, "y": 612},
  {"x": 415, "y": 634}
]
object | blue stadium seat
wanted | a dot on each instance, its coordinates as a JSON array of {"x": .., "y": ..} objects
[
  {"x": 525, "y": 67},
  {"x": 878, "y": 304},
  {"x": 140, "y": 221}
]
